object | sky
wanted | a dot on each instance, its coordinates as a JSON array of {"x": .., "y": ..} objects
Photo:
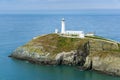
[{"x": 7, "y": 6}]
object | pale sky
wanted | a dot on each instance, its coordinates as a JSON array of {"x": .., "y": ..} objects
[{"x": 47, "y": 5}]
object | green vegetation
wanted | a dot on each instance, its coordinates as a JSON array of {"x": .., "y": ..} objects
[
  {"x": 98, "y": 37},
  {"x": 74, "y": 35},
  {"x": 54, "y": 43},
  {"x": 104, "y": 54},
  {"x": 119, "y": 45}
]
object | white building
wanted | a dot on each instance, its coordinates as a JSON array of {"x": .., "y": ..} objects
[
  {"x": 56, "y": 30},
  {"x": 79, "y": 34},
  {"x": 90, "y": 34}
]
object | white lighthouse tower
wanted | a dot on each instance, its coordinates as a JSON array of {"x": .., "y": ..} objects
[
  {"x": 70, "y": 33},
  {"x": 63, "y": 26}
]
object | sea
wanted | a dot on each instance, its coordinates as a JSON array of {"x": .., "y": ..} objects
[{"x": 18, "y": 29}]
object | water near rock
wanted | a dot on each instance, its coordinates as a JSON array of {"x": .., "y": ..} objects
[
  {"x": 94, "y": 53},
  {"x": 16, "y": 30}
]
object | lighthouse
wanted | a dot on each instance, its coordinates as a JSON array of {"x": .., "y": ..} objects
[
  {"x": 70, "y": 33},
  {"x": 63, "y": 26}
]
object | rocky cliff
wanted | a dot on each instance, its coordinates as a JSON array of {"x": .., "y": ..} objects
[{"x": 94, "y": 53}]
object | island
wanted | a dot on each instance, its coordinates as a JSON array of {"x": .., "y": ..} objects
[{"x": 88, "y": 52}]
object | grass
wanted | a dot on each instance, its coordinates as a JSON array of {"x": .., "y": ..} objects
[
  {"x": 54, "y": 43},
  {"x": 33, "y": 49},
  {"x": 118, "y": 44},
  {"x": 67, "y": 44},
  {"x": 98, "y": 37},
  {"x": 119, "y": 47},
  {"x": 103, "y": 54}
]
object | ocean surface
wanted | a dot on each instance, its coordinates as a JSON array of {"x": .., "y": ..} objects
[{"x": 16, "y": 30}]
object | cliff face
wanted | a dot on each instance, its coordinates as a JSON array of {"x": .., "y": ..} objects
[
  {"x": 104, "y": 56},
  {"x": 90, "y": 53},
  {"x": 53, "y": 49}
]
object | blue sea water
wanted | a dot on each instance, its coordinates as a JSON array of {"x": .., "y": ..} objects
[{"x": 16, "y": 30}]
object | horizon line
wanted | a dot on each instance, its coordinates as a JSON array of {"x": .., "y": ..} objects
[{"x": 82, "y": 12}]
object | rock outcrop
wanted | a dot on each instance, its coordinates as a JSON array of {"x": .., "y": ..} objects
[
  {"x": 104, "y": 56},
  {"x": 94, "y": 53}
]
